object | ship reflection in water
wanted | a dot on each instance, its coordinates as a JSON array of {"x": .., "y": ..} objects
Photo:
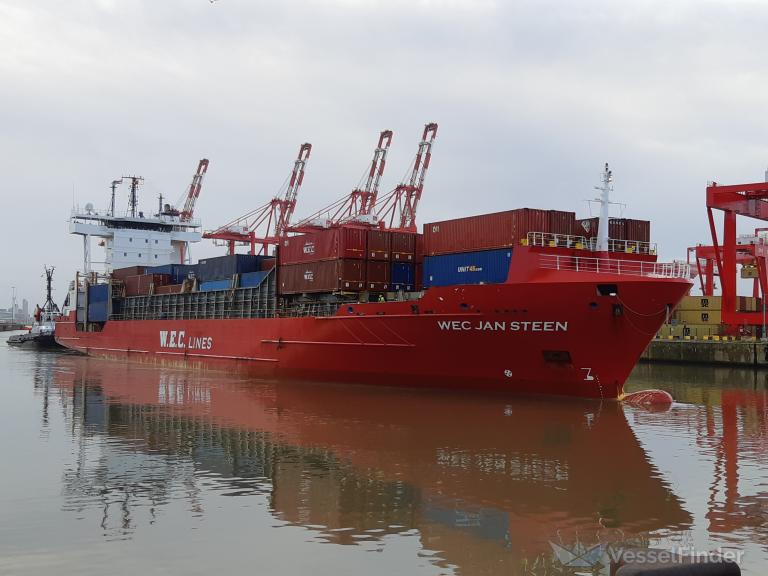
[{"x": 178, "y": 471}]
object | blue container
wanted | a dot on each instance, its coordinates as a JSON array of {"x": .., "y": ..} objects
[
  {"x": 252, "y": 279},
  {"x": 98, "y": 293},
  {"x": 165, "y": 269},
  {"x": 181, "y": 272},
  {"x": 402, "y": 276},
  {"x": 228, "y": 266},
  {"x": 212, "y": 285},
  {"x": 98, "y": 311},
  {"x": 484, "y": 267}
]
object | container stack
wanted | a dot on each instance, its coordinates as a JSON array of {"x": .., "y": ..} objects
[
  {"x": 478, "y": 249},
  {"x": 618, "y": 229},
  {"x": 346, "y": 259},
  {"x": 145, "y": 284},
  {"x": 700, "y": 316}
]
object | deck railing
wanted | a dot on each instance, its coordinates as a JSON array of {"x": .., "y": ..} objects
[
  {"x": 613, "y": 266},
  {"x": 548, "y": 240}
]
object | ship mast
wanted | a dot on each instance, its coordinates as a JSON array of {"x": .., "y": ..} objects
[
  {"x": 49, "y": 308},
  {"x": 605, "y": 201}
]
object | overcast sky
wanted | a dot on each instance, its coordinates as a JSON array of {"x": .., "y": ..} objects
[{"x": 531, "y": 98}]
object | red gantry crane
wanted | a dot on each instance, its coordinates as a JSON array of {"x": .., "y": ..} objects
[
  {"x": 357, "y": 206},
  {"x": 194, "y": 191},
  {"x": 737, "y": 200},
  {"x": 268, "y": 223},
  {"x": 397, "y": 210}
]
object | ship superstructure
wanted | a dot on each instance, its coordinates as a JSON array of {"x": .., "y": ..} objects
[{"x": 135, "y": 239}]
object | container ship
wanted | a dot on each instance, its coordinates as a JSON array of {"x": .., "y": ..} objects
[{"x": 526, "y": 300}]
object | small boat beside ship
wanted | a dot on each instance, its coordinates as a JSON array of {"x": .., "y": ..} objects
[{"x": 42, "y": 333}]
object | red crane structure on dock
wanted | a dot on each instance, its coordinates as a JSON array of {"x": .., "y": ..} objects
[
  {"x": 265, "y": 225},
  {"x": 357, "y": 206},
  {"x": 722, "y": 257},
  {"x": 397, "y": 210}
]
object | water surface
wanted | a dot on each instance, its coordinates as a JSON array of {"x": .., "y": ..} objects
[{"x": 121, "y": 468}]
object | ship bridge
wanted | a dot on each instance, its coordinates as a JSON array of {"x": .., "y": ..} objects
[{"x": 134, "y": 240}]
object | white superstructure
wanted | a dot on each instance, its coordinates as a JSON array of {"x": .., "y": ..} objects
[{"x": 134, "y": 241}]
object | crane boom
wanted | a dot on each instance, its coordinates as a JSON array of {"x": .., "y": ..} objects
[
  {"x": 271, "y": 219},
  {"x": 360, "y": 201},
  {"x": 369, "y": 194},
  {"x": 194, "y": 191},
  {"x": 288, "y": 204},
  {"x": 397, "y": 209}
]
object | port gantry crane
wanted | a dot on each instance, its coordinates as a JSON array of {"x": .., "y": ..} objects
[
  {"x": 357, "y": 206},
  {"x": 397, "y": 210},
  {"x": 749, "y": 200},
  {"x": 271, "y": 219},
  {"x": 194, "y": 191}
]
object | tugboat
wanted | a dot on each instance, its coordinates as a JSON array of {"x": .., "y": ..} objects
[{"x": 42, "y": 332}]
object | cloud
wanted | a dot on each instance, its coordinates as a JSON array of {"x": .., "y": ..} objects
[{"x": 532, "y": 98}]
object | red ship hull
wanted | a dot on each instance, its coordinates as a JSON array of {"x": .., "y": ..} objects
[{"x": 550, "y": 332}]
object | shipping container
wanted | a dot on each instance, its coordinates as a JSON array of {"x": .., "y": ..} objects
[
  {"x": 252, "y": 279},
  {"x": 586, "y": 227},
  {"x": 698, "y": 317},
  {"x": 404, "y": 246},
  {"x": 322, "y": 276},
  {"x": 418, "y": 276},
  {"x": 178, "y": 272},
  {"x": 484, "y": 232},
  {"x": 98, "y": 311},
  {"x": 704, "y": 303},
  {"x": 225, "y": 267},
  {"x": 561, "y": 222},
  {"x": 212, "y": 285},
  {"x": 123, "y": 273},
  {"x": 169, "y": 289},
  {"x": 618, "y": 229},
  {"x": 332, "y": 244},
  {"x": 419, "y": 257},
  {"x": 379, "y": 244},
  {"x": 268, "y": 263},
  {"x": 638, "y": 230},
  {"x": 142, "y": 285},
  {"x": 483, "y": 267},
  {"x": 402, "y": 276},
  {"x": 377, "y": 276},
  {"x": 98, "y": 293}
]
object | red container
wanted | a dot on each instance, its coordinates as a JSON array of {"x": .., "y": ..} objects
[
  {"x": 638, "y": 230},
  {"x": 123, "y": 273},
  {"x": 132, "y": 285},
  {"x": 268, "y": 264},
  {"x": 379, "y": 244},
  {"x": 617, "y": 228},
  {"x": 419, "y": 257},
  {"x": 169, "y": 289},
  {"x": 331, "y": 244},
  {"x": 484, "y": 232},
  {"x": 403, "y": 246},
  {"x": 377, "y": 276},
  {"x": 586, "y": 227},
  {"x": 561, "y": 222},
  {"x": 142, "y": 285},
  {"x": 323, "y": 276}
]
